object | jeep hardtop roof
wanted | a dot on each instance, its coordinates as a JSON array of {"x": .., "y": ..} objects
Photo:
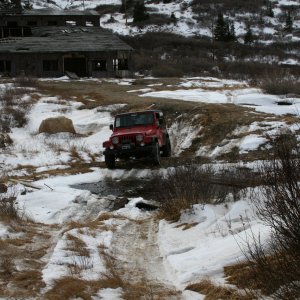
[{"x": 141, "y": 111}]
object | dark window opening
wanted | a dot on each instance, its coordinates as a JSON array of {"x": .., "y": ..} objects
[
  {"x": 123, "y": 64},
  {"x": 5, "y": 66},
  {"x": 12, "y": 24},
  {"x": 22, "y": 49},
  {"x": 17, "y": 31},
  {"x": 99, "y": 65},
  {"x": 52, "y": 23},
  {"x": 32, "y": 23},
  {"x": 50, "y": 65}
]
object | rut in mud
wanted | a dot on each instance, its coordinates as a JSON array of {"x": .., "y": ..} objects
[{"x": 137, "y": 256}]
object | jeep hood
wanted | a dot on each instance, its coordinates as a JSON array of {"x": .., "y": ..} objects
[{"x": 134, "y": 130}]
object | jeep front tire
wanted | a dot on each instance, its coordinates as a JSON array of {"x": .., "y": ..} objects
[
  {"x": 156, "y": 154},
  {"x": 166, "y": 151}
]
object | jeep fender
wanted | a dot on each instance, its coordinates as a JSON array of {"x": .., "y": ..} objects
[{"x": 156, "y": 140}]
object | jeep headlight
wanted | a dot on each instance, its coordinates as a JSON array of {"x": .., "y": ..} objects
[
  {"x": 115, "y": 140},
  {"x": 139, "y": 137}
]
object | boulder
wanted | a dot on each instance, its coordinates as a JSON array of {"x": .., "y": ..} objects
[
  {"x": 55, "y": 125},
  {"x": 5, "y": 140}
]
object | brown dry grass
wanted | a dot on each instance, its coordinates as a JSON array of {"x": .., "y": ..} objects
[
  {"x": 213, "y": 292},
  {"x": 77, "y": 245},
  {"x": 29, "y": 280},
  {"x": 24, "y": 281},
  {"x": 75, "y": 168},
  {"x": 242, "y": 275},
  {"x": 259, "y": 281},
  {"x": 186, "y": 226},
  {"x": 71, "y": 288}
]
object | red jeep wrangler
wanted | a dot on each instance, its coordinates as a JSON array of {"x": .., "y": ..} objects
[{"x": 138, "y": 134}]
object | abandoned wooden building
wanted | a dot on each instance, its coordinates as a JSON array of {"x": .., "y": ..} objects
[
  {"x": 77, "y": 45},
  {"x": 19, "y": 24}
]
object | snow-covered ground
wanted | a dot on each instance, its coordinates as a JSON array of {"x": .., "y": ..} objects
[{"x": 174, "y": 255}]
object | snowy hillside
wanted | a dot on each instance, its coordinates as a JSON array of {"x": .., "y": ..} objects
[{"x": 192, "y": 18}]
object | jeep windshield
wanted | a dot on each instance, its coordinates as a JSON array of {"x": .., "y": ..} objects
[{"x": 134, "y": 119}]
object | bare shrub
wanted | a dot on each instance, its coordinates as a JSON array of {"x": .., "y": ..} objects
[
  {"x": 8, "y": 208},
  {"x": 183, "y": 187},
  {"x": 7, "y": 96},
  {"x": 14, "y": 109},
  {"x": 278, "y": 84},
  {"x": 79, "y": 264},
  {"x": 27, "y": 81},
  {"x": 7, "y": 265},
  {"x": 276, "y": 264},
  {"x": 167, "y": 70},
  {"x": 81, "y": 260},
  {"x": 19, "y": 118},
  {"x": 170, "y": 54}
]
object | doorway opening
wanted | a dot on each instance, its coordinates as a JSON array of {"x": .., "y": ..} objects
[{"x": 76, "y": 65}]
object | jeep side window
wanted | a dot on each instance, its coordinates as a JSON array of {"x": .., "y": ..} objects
[{"x": 118, "y": 122}]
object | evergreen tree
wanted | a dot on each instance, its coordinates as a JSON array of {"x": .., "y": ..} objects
[
  {"x": 224, "y": 30},
  {"x": 139, "y": 12},
  {"x": 231, "y": 32},
  {"x": 288, "y": 23},
  {"x": 123, "y": 7},
  {"x": 248, "y": 38},
  {"x": 27, "y": 5},
  {"x": 173, "y": 18},
  {"x": 270, "y": 12},
  {"x": 16, "y": 5},
  {"x": 5, "y": 5},
  {"x": 220, "y": 30}
]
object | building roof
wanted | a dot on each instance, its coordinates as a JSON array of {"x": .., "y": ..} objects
[
  {"x": 64, "y": 39},
  {"x": 52, "y": 12}
]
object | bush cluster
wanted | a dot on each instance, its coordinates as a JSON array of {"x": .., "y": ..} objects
[
  {"x": 8, "y": 208},
  {"x": 275, "y": 266},
  {"x": 190, "y": 184},
  {"x": 14, "y": 109},
  {"x": 173, "y": 55},
  {"x": 280, "y": 84}
]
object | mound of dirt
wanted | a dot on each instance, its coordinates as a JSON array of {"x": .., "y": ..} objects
[{"x": 55, "y": 125}]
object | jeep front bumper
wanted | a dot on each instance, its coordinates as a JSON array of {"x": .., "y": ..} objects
[{"x": 128, "y": 150}]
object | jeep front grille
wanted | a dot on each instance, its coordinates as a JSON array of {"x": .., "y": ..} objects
[{"x": 127, "y": 139}]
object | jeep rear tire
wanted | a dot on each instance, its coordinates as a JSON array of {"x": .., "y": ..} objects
[
  {"x": 110, "y": 161},
  {"x": 156, "y": 154},
  {"x": 166, "y": 151}
]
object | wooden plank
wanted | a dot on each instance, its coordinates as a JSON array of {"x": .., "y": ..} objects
[{"x": 25, "y": 183}]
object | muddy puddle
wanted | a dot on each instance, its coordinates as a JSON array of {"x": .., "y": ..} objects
[{"x": 120, "y": 188}]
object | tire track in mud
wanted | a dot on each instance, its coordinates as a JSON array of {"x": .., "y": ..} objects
[{"x": 136, "y": 251}]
